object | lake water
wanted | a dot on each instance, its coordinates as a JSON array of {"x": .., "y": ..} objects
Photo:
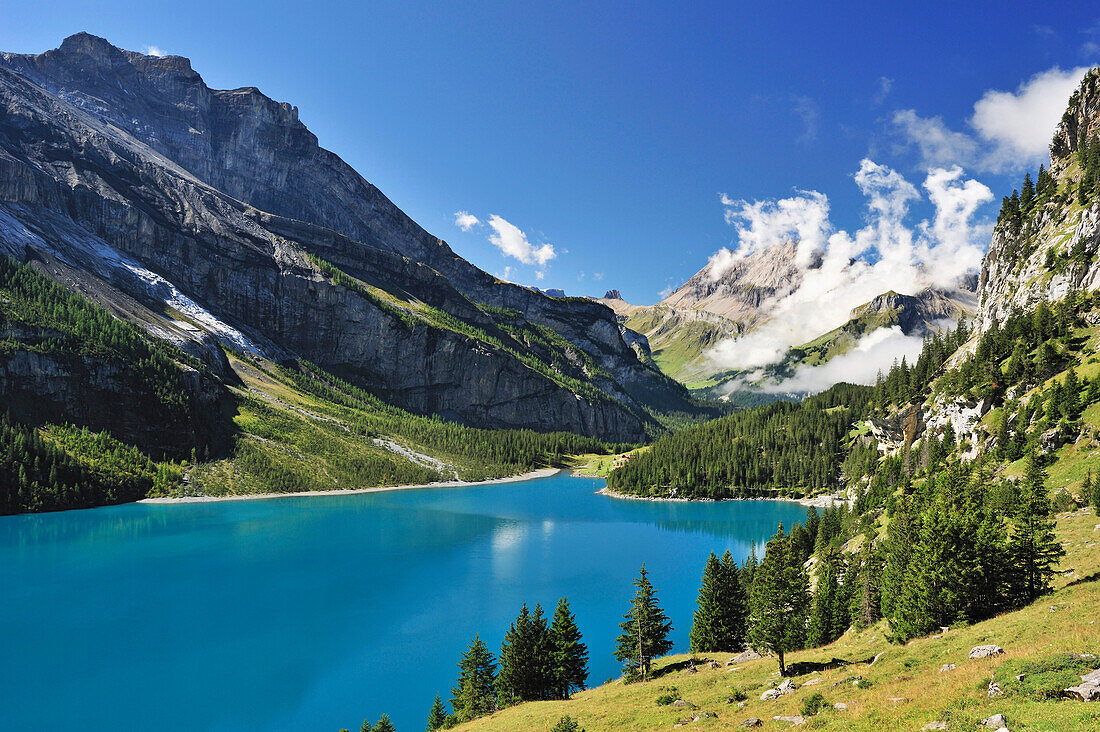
[{"x": 316, "y": 612}]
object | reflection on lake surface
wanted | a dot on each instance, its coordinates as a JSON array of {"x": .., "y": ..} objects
[{"x": 316, "y": 612}]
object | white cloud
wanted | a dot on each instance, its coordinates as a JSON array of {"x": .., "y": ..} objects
[
  {"x": 1019, "y": 125},
  {"x": 938, "y": 144},
  {"x": 154, "y": 51},
  {"x": 1011, "y": 130},
  {"x": 885, "y": 84},
  {"x": 850, "y": 269},
  {"x": 513, "y": 243},
  {"x": 540, "y": 275},
  {"x": 875, "y": 352},
  {"x": 803, "y": 218},
  {"x": 807, "y": 110},
  {"x": 597, "y": 276},
  {"x": 466, "y": 220}
]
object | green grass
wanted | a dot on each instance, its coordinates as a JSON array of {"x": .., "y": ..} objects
[
  {"x": 902, "y": 690},
  {"x": 307, "y": 431}
]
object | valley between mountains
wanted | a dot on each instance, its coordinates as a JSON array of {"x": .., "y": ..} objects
[{"x": 197, "y": 300}]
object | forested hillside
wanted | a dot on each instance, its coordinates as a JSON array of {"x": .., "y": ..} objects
[
  {"x": 970, "y": 482},
  {"x": 788, "y": 449},
  {"x": 99, "y": 412}
]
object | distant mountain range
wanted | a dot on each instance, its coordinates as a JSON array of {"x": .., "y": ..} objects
[{"x": 682, "y": 329}]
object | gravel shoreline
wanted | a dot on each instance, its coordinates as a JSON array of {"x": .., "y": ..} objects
[{"x": 543, "y": 473}]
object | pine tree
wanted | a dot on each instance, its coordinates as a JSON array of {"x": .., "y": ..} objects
[
  {"x": 525, "y": 660},
  {"x": 719, "y": 623},
  {"x": 1033, "y": 546},
  {"x": 824, "y": 610},
  {"x": 570, "y": 655},
  {"x": 383, "y": 725},
  {"x": 437, "y": 715},
  {"x": 1027, "y": 194},
  {"x": 780, "y": 600},
  {"x": 645, "y": 629},
  {"x": 473, "y": 691},
  {"x": 735, "y": 604}
]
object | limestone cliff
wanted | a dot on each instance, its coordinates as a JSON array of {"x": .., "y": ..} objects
[{"x": 203, "y": 213}]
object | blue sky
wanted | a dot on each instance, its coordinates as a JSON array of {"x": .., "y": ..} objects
[{"x": 609, "y": 130}]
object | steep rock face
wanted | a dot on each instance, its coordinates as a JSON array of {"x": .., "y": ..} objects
[
  {"x": 99, "y": 394},
  {"x": 197, "y": 208},
  {"x": 1053, "y": 251}
]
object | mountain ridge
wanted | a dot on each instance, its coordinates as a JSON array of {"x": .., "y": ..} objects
[{"x": 114, "y": 198}]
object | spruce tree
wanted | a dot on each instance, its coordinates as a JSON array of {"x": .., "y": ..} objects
[
  {"x": 1033, "y": 546},
  {"x": 1027, "y": 195},
  {"x": 707, "y": 627},
  {"x": 866, "y": 600},
  {"x": 824, "y": 609},
  {"x": 570, "y": 655},
  {"x": 645, "y": 629},
  {"x": 900, "y": 538},
  {"x": 721, "y": 609},
  {"x": 437, "y": 715},
  {"x": 780, "y": 600},
  {"x": 735, "y": 604},
  {"x": 383, "y": 725},
  {"x": 525, "y": 660},
  {"x": 473, "y": 691},
  {"x": 748, "y": 567}
]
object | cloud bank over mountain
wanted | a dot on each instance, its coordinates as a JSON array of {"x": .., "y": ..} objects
[{"x": 841, "y": 270}]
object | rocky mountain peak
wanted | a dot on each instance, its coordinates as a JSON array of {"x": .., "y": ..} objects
[
  {"x": 612, "y": 295},
  {"x": 1080, "y": 120},
  {"x": 1045, "y": 248},
  {"x": 141, "y": 185},
  {"x": 740, "y": 290}
]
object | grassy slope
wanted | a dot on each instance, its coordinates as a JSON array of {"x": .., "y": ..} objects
[
  {"x": 290, "y": 440},
  {"x": 906, "y": 689},
  {"x": 678, "y": 345}
]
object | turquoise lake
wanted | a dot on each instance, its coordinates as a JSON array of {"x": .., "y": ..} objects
[{"x": 313, "y": 613}]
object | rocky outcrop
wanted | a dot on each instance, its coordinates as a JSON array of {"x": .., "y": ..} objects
[
  {"x": 985, "y": 651},
  {"x": 897, "y": 429},
  {"x": 193, "y": 211},
  {"x": 1088, "y": 690},
  {"x": 1054, "y": 251}
]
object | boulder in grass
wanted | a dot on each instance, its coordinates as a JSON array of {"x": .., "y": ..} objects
[
  {"x": 934, "y": 725},
  {"x": 1088, "y": 690},
  {"x": 986, "y": 651},
  {"x": 749, "y": 655},
  {"x": 996, "y": 721},
  {"x": 752, "y": 722}
]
